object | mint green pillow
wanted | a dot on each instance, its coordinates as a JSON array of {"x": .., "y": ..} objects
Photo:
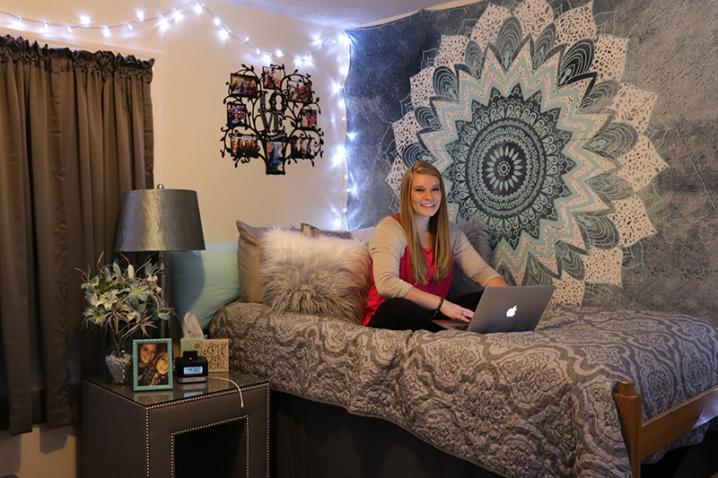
[{"x": 204, "y": 281}]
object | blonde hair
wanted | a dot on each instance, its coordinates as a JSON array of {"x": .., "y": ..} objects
[{"x": 438, "y": 226}]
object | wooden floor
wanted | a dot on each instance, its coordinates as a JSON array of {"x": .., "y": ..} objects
[{"x": 700, "y": 461}]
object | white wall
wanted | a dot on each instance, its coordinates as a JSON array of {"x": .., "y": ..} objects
[
  {"x": 191, "y": 69},
  {"x": 42, "y": 453}
]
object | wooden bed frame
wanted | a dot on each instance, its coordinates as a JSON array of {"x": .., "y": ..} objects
[{"x": 643, "y": 438}]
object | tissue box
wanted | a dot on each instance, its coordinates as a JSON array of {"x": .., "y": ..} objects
[
  {"x": 191, "y": 344},
  {"x": 216, "y": 351}
]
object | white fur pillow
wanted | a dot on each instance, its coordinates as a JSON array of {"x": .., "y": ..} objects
[{"x": 322, "y": 276}]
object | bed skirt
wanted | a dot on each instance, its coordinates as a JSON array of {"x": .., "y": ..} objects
[{"x": 315, "y": 440}]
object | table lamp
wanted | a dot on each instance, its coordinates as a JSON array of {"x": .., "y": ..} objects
[{"x": 159, "y": 220}]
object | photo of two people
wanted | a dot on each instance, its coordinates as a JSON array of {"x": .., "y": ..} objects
[{"x": 152, "y": 364}]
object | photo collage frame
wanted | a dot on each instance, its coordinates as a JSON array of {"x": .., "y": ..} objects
[{"x": 273, "y": 116}]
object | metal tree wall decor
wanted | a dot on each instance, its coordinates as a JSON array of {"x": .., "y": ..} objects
[{"x": 272, "y": 116}]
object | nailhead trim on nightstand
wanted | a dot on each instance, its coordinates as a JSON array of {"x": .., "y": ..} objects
[{"x": 202, "y": 397}]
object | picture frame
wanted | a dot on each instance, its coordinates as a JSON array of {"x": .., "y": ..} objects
[
  {"x": 152, "y": 364},
  {"x": 243, "y": 85},
  {"x": 236, "y": 114},
  {"x": 275, "y": 157},
  {"x": 299, "y": 91},
  {"x": 308, "y": 118},
  {"x": 272, "y": 77},
  {"x": 246, "y": 145},
  {"x": 301, "y": 147}
]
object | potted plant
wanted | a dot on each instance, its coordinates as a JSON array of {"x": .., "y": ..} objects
[{"x": 123, "y": 302}]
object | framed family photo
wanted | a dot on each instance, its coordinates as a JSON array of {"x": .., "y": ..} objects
[
  {"x": 243, "y": 85},
  {"x": 151, "y": 364}
]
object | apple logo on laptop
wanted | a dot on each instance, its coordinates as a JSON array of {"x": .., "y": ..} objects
[{"x": 511, "y": 311}]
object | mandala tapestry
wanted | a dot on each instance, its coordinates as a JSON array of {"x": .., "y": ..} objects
[{"x": 525, "y": 110}]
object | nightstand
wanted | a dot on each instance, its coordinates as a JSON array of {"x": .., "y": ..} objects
[{"x": 176, "y": 433}]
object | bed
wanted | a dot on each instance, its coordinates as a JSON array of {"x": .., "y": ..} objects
[{"x": 583, "y": 395}]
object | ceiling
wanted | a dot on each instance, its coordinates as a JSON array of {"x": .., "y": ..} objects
[{"x": 341, "y": 14}]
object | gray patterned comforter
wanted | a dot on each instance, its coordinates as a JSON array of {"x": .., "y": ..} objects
[{"x": 522, "y": 404}]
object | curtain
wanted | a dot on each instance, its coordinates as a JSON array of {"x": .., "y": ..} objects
[{"x": 75, "y": 133}]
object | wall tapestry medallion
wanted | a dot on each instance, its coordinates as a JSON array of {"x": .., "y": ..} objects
[{"x": 529, "y": 119}]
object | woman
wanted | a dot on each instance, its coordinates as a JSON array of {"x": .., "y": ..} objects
[
  {"x": 145, "y": 365},
  {"x": 413, "y": 257}
]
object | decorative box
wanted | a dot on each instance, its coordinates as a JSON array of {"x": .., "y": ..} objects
[{"x": 216, "y": 351}]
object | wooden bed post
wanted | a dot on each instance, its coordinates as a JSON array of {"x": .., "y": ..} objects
[
  {"x": 629, "y": 411},
  {"x": 643, "y": 438}
]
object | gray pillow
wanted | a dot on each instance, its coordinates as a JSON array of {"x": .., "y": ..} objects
[
  {"x": 478, "y": 234},
  {"x": 322, "y": 276}
]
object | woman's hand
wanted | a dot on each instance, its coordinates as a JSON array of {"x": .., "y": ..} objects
[{"x": 456, "y": 312}]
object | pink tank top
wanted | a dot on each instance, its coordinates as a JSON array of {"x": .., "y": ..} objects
[{"x": 441, "y": 288}]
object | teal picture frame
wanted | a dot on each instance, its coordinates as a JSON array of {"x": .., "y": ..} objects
[{"x": 152, "y": 364}]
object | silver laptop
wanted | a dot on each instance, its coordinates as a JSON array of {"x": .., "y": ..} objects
[{"x": 506, "y": 309}]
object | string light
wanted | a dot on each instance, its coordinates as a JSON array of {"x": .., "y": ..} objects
[
  {"x": 339, "y": 155},
  {"x": 336, "y": 87},
  {"x": 163, "y": 24},
  {"x": 17, "y": 24},
  {"x": 164, "y": 20}
]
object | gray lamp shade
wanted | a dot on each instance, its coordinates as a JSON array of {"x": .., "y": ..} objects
[{"x": 159, "y": 220}]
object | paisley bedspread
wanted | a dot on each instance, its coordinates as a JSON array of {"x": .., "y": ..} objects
[{"x": 520, "y": 404}]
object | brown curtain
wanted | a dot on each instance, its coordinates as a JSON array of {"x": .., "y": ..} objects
[{"x": 75, "y": 133}]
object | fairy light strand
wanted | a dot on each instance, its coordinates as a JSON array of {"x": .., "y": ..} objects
[{"x": 164, "y": 20}]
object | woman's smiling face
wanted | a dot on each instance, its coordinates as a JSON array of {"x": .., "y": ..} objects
[{"x": 425, "y": 194}]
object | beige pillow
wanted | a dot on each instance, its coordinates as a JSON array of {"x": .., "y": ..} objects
[
  {"x": 313, "y": 231},
  {"x": 323, "y": 276},
  {"x": 362, "y": 235},
  {"x": 249, "y": 259}
]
